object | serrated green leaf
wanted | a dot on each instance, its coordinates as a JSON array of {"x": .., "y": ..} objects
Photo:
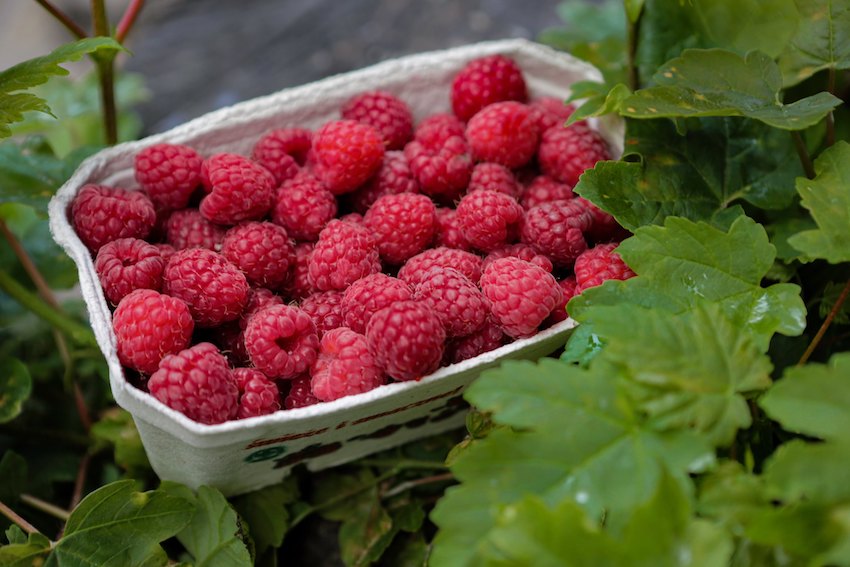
[
  {"x": 266, "y": 513},
  {"x": 745, "y": 25},
  {"x": 338, "y": 492},
  {"x": 828, "y": 200},
  {"x": 117, "y": 428},
  {"x": 731, "y": 495},
  {"x": 804, "y": 534},
  {"x": 822, "y": 40},
  {"x": 597, "y": 101},
  {"x": 666, "y": 28},
  {"x": 15, "y": 387},
  {"x": 810, "y": 472},
  {"x": 25, "y": 554}
]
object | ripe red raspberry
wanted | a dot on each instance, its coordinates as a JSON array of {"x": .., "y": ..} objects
[
  {"x": 102, "y": 214},
  {"x": 521, "y": 251},
  {"x": 551, "y": 111},
  {"x": 214, "y": 289},
  {"x": 188, "y": 229},
  {"x": 449, "y": 233},
  {"x": 128, "y": 264},
  {"x": 262, "y": 250},
  {"x": 344, "y": 253},
  {"x": 489, "y": 337},
  {"x": 393, "y": 178},
  {"x": 281, "y": 341},
  {"x": 599, "y": 264},
  {"x": 407, "y": 339},
  {"x": 345, "y": 366},
  {"x": 345, "y": 154},
  {"x": 166, "y": 251},
  {"x": 556, "y": 229},
  {"x": 369, "y": 295},
  {"x": 402, "y": 225},
  {"x": 544, "y": 189},
  {"x": 231, "y": 335},
  {"x": 325, "y": 308},
  {"x": 148, "y": 325},
  {"x": 505, "y": 133},
  {"x": 354, "y": 218},
  {"x": 303, "y": 206},
  {"x": 465, "y": 262},
  {"x": 565, "y": 153},
  {"x": 385, "y": 112},
  {"x": 298, "y": 285},
  {"x": 489, "y": 220},
  {"x": 257, "y": 394},
  {"x": 442, "y": 172},
  {"x": 435, "y": 131},
  {"x": 603, "y": 227},
  {"x": 455, "y": 299},
  {"x": 240, "y": 189},
  {"x": 484, "y": 81},
  {"x": 521, "y": 295},
  {"x": 300, "y": 393},
  {"x": 494, "y": 177},
  {"x": 568, "y": 286},
  {"x": 282, "y": 152},
  {"x": 198, "y": 383},
  {"x": 169, "y": 174}
]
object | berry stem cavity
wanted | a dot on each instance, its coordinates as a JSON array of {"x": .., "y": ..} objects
[
  {"x": 63, "y": 19},
  {"x": 825, "y": 325}
]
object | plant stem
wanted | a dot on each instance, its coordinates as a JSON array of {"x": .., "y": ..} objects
[
  {"x": 631, "y": 53},
  {"x": 63, "y": 19},
  {"x": 106, "y": 73},
  {"x": 830, "y": 118},
  {"x": 826, "y": 323},
  {"x": 23, "y": 524},
  {"x": 404, "y": 486},
  {"x": 82, "y": 408},
  {"x": 128, "y": 19},
  {"x": 402, "y": 464},
  {"x": 805, "y": 160},
  {"x": 46, "y": 507}
]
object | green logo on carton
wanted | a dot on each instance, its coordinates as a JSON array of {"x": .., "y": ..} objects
[{"x": 265, "y": 454}]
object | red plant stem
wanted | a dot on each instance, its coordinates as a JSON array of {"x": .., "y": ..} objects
[
  {"x": 12, "y": 515},
  {"x": 82, "y": 408},
  {"x": 805, "y": 159},
  {"x": 128, "y": 19},
  {"x": 29, "y": 267},
  {"x": 826, "y": 323},
  {"x": 63, "y": 19},
  {"x": 80, "y": 482}
]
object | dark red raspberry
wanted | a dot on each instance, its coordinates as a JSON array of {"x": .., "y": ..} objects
[
  {"x": 148, "y": 325},
  {"x": 455, "y": 299},
  {"x": 345, "y": 154},
  {"x": 198, "y": 383},
  {"x": 231, "y": 335},
  {"x": 166, "y": 251},
  {"x": 565, "y": 153},
  {"x": 281, "y": 341},
  {"x": 128, "y": 264},
  {"x": 344, "y": 253},
  {"x": 449, "y": 233},
  {"x": 303, "y": 206},
  {"x": 484, "y": 81},
  {"x": 505, "y": 133},
  {"x": 262, "y": 250},
  {"x": 442, "y": 172},
  {"x": 393, "y": 178},
  {"x": 599, "y": 264},
  {"x": 489, "y": 337},
  {"x": 465, "y": 262},
  {"x": 368, "y": 295},
  {"x": 551, "y": 111},
  {"x": 354, "y": 218},
  {"x": 214, "y": 289},
  {"x": 102, "y": 214},
  {"x": 345, "y": 366},
  {"x": 402, "y": 225},
  {"x": 489, "y": 220},
  {"x": 407, "y": 339},
  {"x": 568, "y": 286},
  {"x": 300, "y": 393},
  {"x": 544, "y": 189},
  {"x": 325, "y": 308},
  {"x": 603, "y": 227},
  {"x": 557, "y": 229},
  {"x": 385, "y": 112},
  {"x": 494, "y": 177},
  {"x": 282, "y": 152},
  {"x": 435, "y": 131},
  {"x": 169, "y": 174},
  {"x": 521, "y": 251},
  {"x": 298, "y": 285},
  {"x": 521, "y": 295},
  {"x": 240, "y": 189},
  {"x": 257, "y": 394},
  {"x": 188, "y": 229}
]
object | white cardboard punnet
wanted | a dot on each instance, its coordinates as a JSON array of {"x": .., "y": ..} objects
[{"x": 244, "y": 455}]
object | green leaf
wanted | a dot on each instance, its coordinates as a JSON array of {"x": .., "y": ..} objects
[
  {"x": 633, "y": 9},
  {"x": 717, "y": 82},
  {"x": 745, "y": 25},
  {"x": 804, "y": 534},
  {"x": 117, "y": 526},
  {"x": 828, "y": 200},
  {"x": 666, "y": 28},
  {"x": 822, "y": 40},
  {"x": 367, "y": 532},
  {"x": 15, "y": 387},
  {"x": 598, "y": 99},
  {"x": 116, "y": 427},
  {"x": 266, "y": 514},
  {"x": 25, "y": 554},
  {"x": 13, "y": 476}
]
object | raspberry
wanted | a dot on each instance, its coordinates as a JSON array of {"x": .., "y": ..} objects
[
  {"x": 303, "y": 206},
  {"x": 598, "y": 264},
  {"x": 435, "y": 131},
  {"x": 455, "y": 299},
  {"x": 281, "y": 341},
  {"x": 262, "y": 251},
  {"x": 393, "y": 177},
  {"x": 300, "y": 393},
  {"x": 603, "y": 227},
  {"x": 344, "y": 366},
  {"x": 128, "y": 264},
  {"x": 484, "y": 81},
  {"x": 556, "y": 229},
  {"x": 465, "y": 262},
  {"x": 188, "y": 229},
  {"x": 544, "y": 189},
  {"x": 325, "y": 308},
  {"x": 489, "y": 220},
  {"x": 231, "y": 335},
  {"x": 521, "y": 295},
  {"x": 198, "y": 383},
  {"x": 565, "y": 153},
  {"x": 448, "y": 230},
  {"x": 282, "y": 152},
  {"x": 387, "y": 113},
  {"x": 345, "y": 154},
  {"x": 240, "y": 189},
  {"x": 101, "y": 214},
  {"x": 521, "y": 251},
  {"x": 344, "y": 253},
  {"x": 505, "y": 133},
  {"x": 166, "y": 251},
  {"x": 298, "y": 285},
  {"x": 257, "y": 394},
  {"x": 402, "y": 225},
  {"x": 493, "y": 177},
  {"x": 568, "y": 287},
  {"x": 442, "y": 172},
  {"x": 407, "y": 339},
  {"x": 354, "y": 218},
  {"x": 368, "y": 295},
  {"x": 489, "y": 337},
  {"x": 169, "y": 174},
  {"x": 214, "y": 289},
  {"x": 551, "y": 111},
  {"x": 148, "y": 325}
]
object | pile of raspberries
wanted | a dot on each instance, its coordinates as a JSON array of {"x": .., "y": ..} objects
[{"x": 329, "y": 262}]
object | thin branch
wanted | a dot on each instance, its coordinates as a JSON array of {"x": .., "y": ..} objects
[
  {"x": 826, "y": 323},
  {"x": 80, "y": 481},
  {"x": 404, "y": 486},
  {"x": 106, "y": 73},
  {"x": 128, "y": 19},
  {"x": 805, "y": 159},
  {"x": 63, "y": 19},
  {"x": 82, "y": 408},
  {"x": 23, "y": 524},
  {"x": 29, "y": 266},
  {"x": 46, "y": 507}
]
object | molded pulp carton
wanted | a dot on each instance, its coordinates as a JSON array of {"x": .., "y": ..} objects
[{"x": 240, "y": 456}]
